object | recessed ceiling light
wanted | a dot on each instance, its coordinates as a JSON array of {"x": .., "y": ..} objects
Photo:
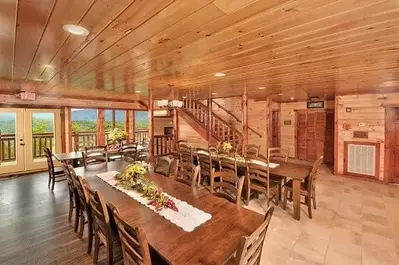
[
  {"x": 214, "y": 93},
  {"x": 75, "y": 30},
  {"x": 49, "y": 66},
  {"x": 292, "y": 98},
  {"x": 280, "y": 94},
  {"x": 38, "y": 80},
  {"x": 261, "y": 88},
  {"x": 137, "y": 91},
  {"x": 184, "y": 96},
  {"x": 220, "y": 74}
]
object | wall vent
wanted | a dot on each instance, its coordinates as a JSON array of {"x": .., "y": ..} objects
[{"x": 361, "y": 159}]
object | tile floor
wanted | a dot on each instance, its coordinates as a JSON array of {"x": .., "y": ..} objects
[{"x": 356, "y": 223}]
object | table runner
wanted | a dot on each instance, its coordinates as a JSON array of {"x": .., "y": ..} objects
[
  {"x": 242, "y": 159},
  {"x": 187, "y": 218}
]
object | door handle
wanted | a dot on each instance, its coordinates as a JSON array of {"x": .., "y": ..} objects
[{"x": 21, "y": 144}]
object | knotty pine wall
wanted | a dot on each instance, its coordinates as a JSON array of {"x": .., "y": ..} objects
[
  {"x": 186, "y": 132},
  {"x": 368, "y": 109},
  {"x": 287, "y": 132},
  {"x": 256, "y": 118},
  {"x": 160, "y": 123}
]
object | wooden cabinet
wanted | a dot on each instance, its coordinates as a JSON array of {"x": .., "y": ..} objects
[{"x": 315, "y": 135}]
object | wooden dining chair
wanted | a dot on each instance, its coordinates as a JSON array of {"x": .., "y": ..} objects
[
  {"x": 55, "y": 174},
  {"x": 228, "y": 164},
  {"x": 163, "y": 165},
  {"x": 187, "y": 173},
  {"x": 71, "y": 191},
  {"x": 249, "y": 250},
  {"x": 94, "y": 156},
  {"x": 129, "y": 150},
  {"x": 83, "y": 212},
  {"x": 103, "y": 232},
  {"x": 213, "y": 148},
  {"x": 135, "y": 248},
  {"x": 258, "y": 180},
  {"x": 278, "y": 153},
  {"x": 308, "y": 188},
  {"x": 205, "y": 165},
  {"x": 227, "y": 185},
  {"x": 142, "y": 155},
  {"x": 251, "y": 150}
]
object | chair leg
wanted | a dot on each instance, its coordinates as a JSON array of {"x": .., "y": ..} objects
[
  {"x": 110, "y": 253},
  {"x": 285, "y": 198},
  {"x": 49, "y": 180},
  {"x": 71, "y": 205},
  {"x": 96, "y": 248},
  {"x": 82, "y": 223},
  {"x": 52, "y": 185},
  {"x": 77, "y": 213},
  {"x": 309, "y": 203},
  {"x": 314, "y": 198},
  {"x": 248, "y": 194},
  {"x": 89, "y": 234}
]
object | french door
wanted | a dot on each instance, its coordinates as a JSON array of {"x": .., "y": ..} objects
[{"x": 24, "y": 133}]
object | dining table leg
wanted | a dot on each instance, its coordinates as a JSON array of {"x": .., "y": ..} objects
[{"x": 297, "y": 198}]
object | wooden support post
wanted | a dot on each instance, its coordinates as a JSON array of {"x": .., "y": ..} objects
[
  {"x": 175, "y": 128},
  {"x": 269, "y": 112},
  {"x": 100, "y": 127},
  {"x": 209, "y": 117},
  {"x": 244, "y": 118},
  {"x": 67, "y": 146},
  {"x": 113, "y": 119},
  {"x": 151, "y": 126},
  {"x": 130, "y": 124}
]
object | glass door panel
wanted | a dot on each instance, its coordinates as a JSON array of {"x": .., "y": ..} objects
[
  {"x": 11, "y": 141},
  {"x": 43, "y": 128}
]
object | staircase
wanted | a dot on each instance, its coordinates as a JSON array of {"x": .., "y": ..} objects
[{"x": 221, "y": 131}]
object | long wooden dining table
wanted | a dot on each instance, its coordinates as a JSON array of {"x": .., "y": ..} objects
[{"x": 210, "y": 243}]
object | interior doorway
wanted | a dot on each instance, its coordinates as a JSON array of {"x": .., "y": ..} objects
[
  {"x": 315, "y": 135},
  {"x": 24, "y": 133},
  {"x": 391, "y": 164}
]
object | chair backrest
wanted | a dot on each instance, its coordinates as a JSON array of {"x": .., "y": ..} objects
[
  {"x": 251, "y": 150},
  {"x": 228, "y": 164},
  {"x": 257, "y": 172},
  {"x": 185, "y": 153},
  {"x": 249, "y": 249},
  {"x": 187, "y": 173},
  {"x": 183, "y": 141},
  {"x": 227, "y": 185},
  {"x": 99, "y": 212},
  {"x": 94, "y": 156},
  {"x": 142, "y": 155},
  {"x": 129, "y": 149},
  {"x": 71, "y": 186},
  {"x": 279, "y": 153},
  {"x": 163, "y": 165},
  {"x": 80, "y": 190},
  {"x": 135, "y": 248},
  {"x": 313, "y": 173},
  {"x": 204, "y": 161},
  {"x": 49, "y": 158},
  {"x": 213, "y": 148}
]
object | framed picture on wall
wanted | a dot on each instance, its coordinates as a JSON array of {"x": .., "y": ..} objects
[{"x": 168, "y": 130}]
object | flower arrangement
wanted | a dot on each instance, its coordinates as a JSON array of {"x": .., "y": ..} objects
[
  {"x": 227, "y": 147},
  {"x": 118, "y": 135},
  {"x": 133, "y": 178}
]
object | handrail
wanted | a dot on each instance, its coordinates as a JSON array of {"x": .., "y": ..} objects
[{"x": 235, "y": 117}]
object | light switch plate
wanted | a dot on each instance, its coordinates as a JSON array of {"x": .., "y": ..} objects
[{"x": 362, "y": 124}]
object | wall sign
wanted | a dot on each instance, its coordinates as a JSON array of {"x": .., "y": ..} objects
[
  {"x": 361, "y": 134},
  {"x": 316, "y": 105},
  {"x": 287, "y": 122}
]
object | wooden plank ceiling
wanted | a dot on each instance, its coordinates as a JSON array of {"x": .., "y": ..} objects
[{"x": 298, "y": 48}]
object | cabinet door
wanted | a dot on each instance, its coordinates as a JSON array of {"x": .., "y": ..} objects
[{"x": 301, "y": 135}]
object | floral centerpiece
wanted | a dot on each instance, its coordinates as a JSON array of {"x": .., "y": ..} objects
[
  {"x": 226, "y": 146},
  {"x": 133, "y": 178},
  {"x": 117, "y": 136}
]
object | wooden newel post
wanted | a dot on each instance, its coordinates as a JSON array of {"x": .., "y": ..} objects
[
  {"x": 209, "y": 116},
  {"x": 175, "y": 128},
  {"x": 244, "y": 108},
  {"x": 151, "y": 126}
]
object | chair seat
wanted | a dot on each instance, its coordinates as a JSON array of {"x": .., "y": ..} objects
[
  {"x": 304, "y": 188},
  {"x": 59, "y": 171}
]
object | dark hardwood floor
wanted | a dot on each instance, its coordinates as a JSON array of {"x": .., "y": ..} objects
[{"x": 34, "y": 226}]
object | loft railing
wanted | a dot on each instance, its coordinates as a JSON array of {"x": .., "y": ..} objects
[{"x": 163, "y": 145}]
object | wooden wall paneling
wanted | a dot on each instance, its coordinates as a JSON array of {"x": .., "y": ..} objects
[
  {"x": 336, "y": 137},
  {"x": 301, "y": 135},
  {"x": 320, "y": 129},
  {"x": 244, "y": 119},
  {"x": 160, "y": 123},
  {"x": 329, "y": 143},
  {"x": 276, "y": 126},
  {"x": 100, "y": 127}
]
